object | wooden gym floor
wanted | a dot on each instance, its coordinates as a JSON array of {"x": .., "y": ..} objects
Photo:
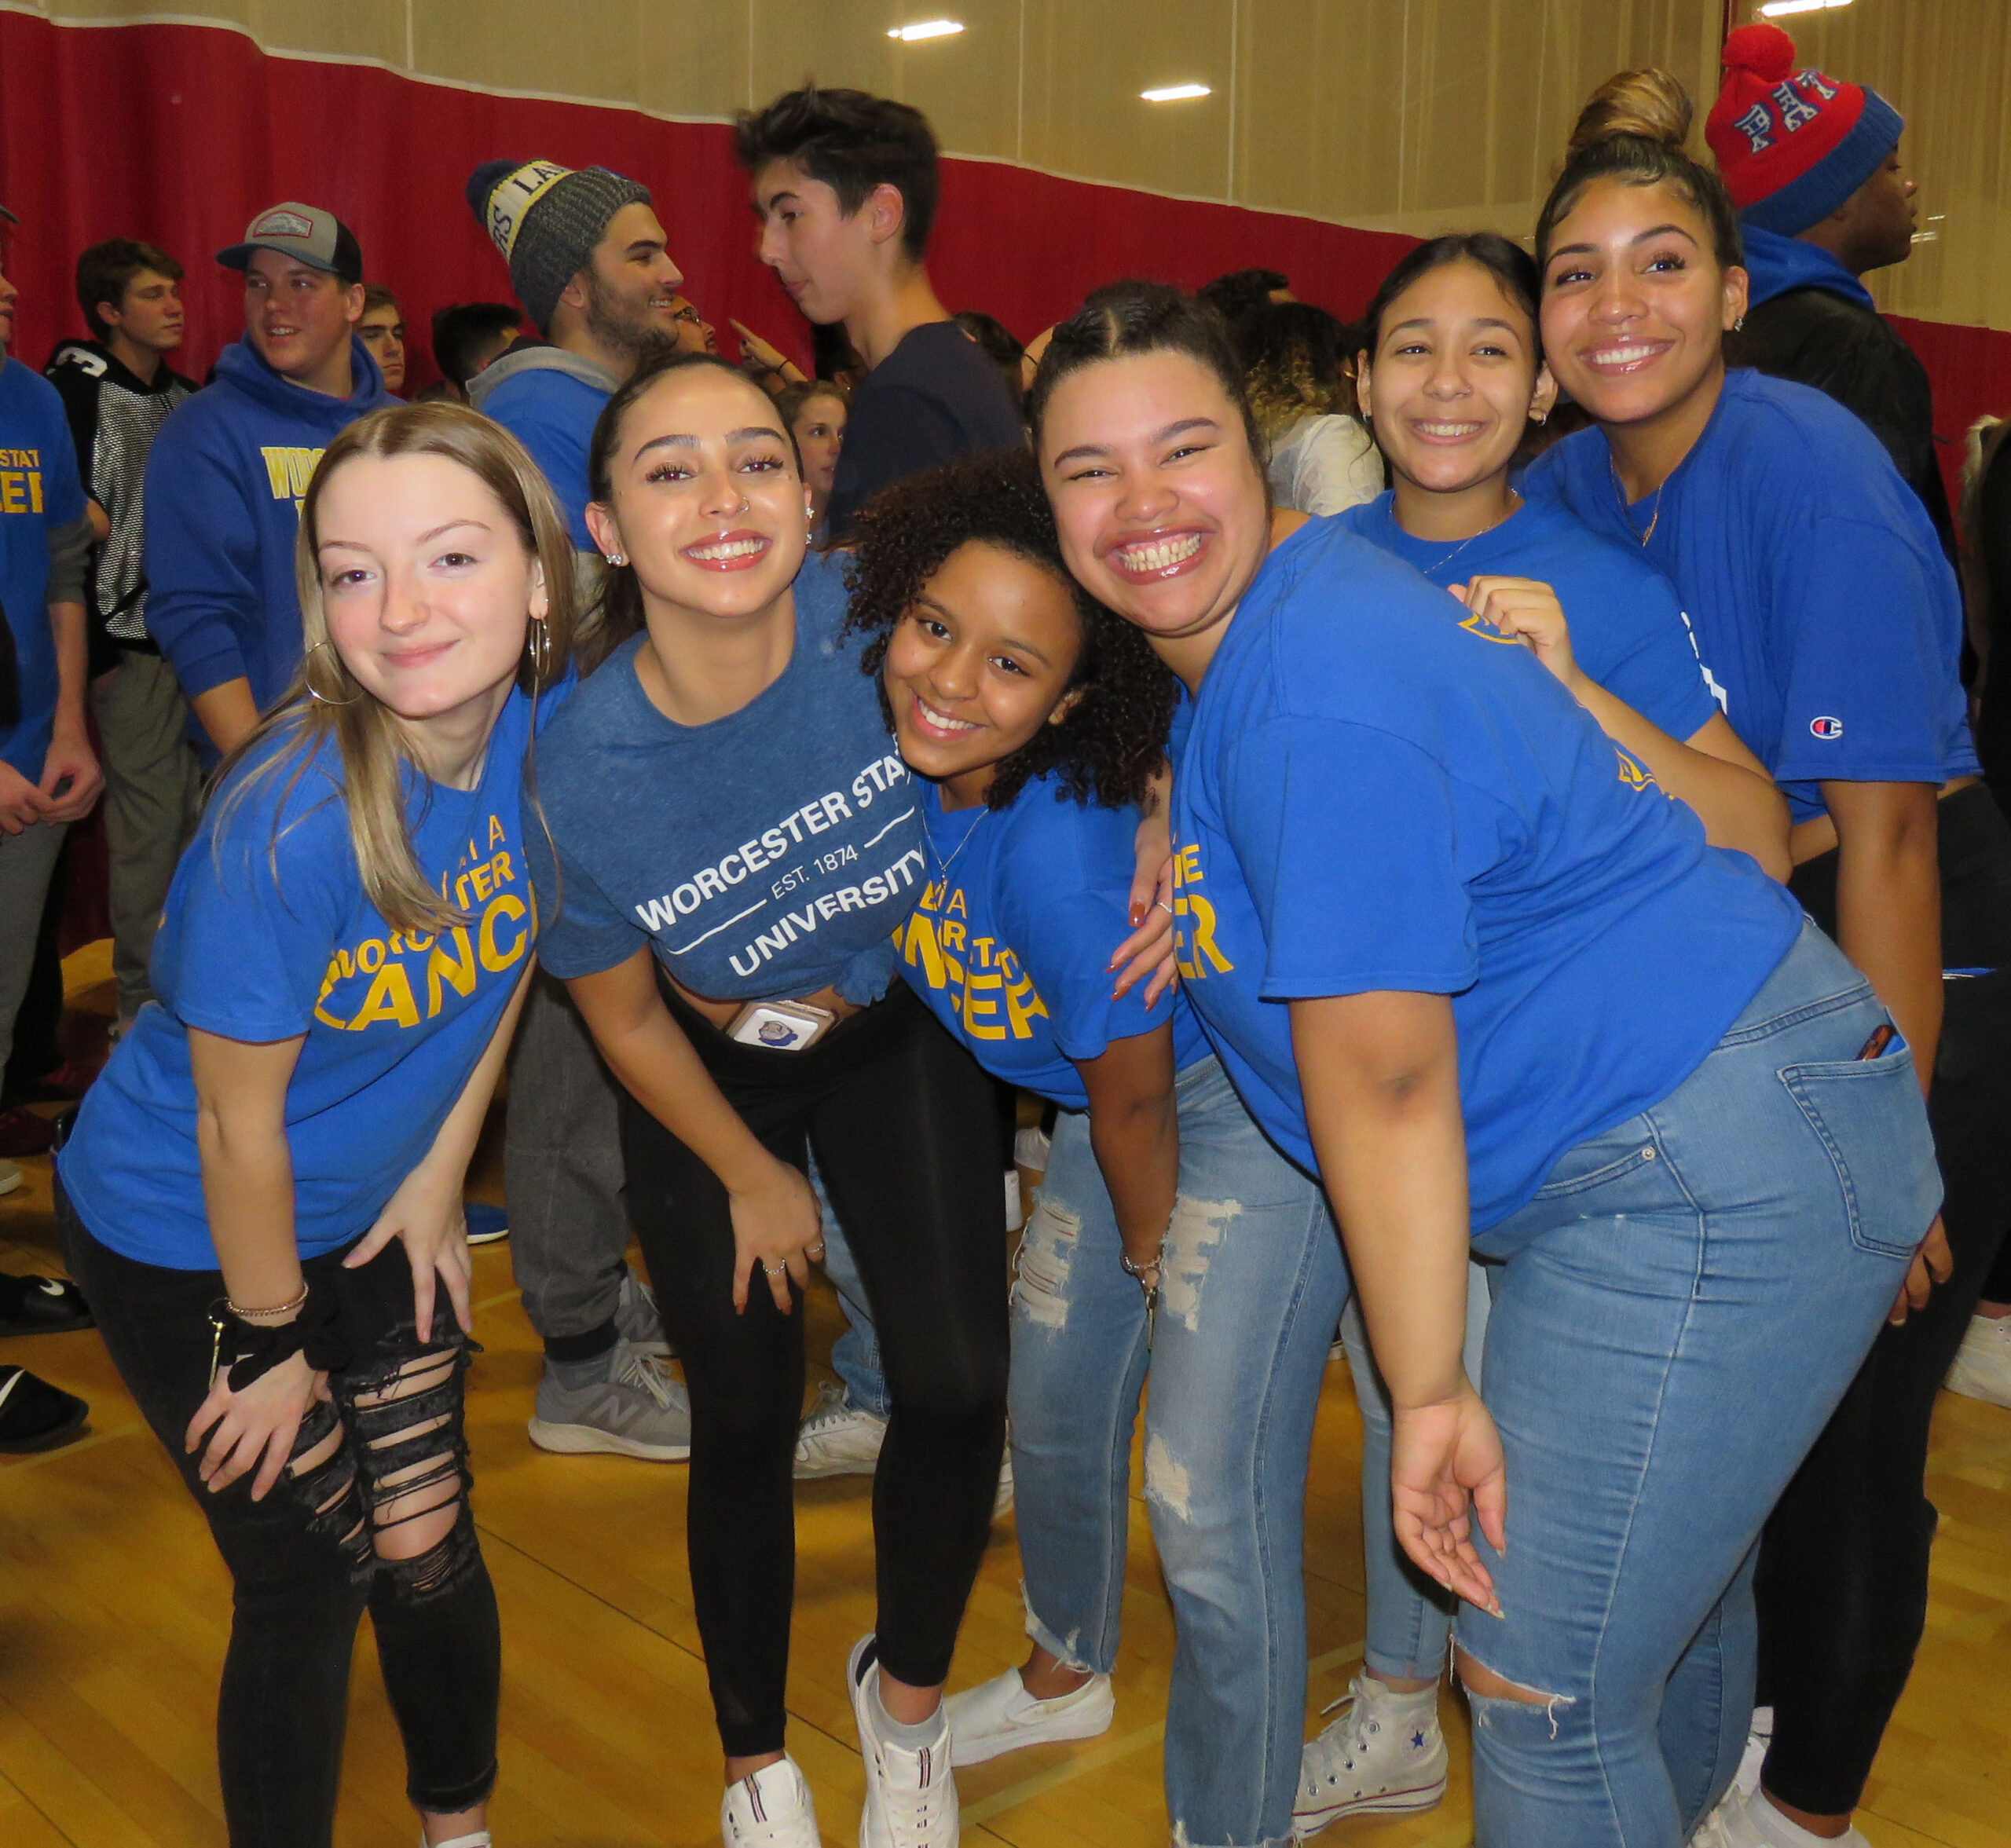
[{"x": 114, "y": 1612}]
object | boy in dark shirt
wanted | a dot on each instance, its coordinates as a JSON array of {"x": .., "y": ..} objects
[
  {"x": 1812, "y": 163},
  {"x": 117, "y": 389},
  {"x": 845, "y": 186}
]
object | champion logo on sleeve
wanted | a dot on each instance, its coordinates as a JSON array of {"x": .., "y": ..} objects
[{"x": 1829, "y": 729}]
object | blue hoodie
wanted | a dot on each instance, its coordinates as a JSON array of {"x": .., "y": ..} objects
[
  {"x": 224, "y": 483},
  {"x": 550, "y": 400},
  {"x": 1778, "y": 264}
]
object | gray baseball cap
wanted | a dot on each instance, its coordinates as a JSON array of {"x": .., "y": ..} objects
[{"x": 305, "y": 232}]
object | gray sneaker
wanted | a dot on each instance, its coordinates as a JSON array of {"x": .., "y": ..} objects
[
  {"x": 638, "y": 1321},
  {"x": 838, "y": 1438},
  {"x": 635, "y": 1410}
]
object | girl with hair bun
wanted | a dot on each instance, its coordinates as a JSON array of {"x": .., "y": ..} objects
[
  {"x": 339, "y": 970},
  {"x": 1451, "y": 374},
  {"x": 1463, "y": 957},
  {"x": 1830, "y": 620}
]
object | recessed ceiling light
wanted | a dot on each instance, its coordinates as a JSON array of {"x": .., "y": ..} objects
[
  {"x": 926, "y": 29},
  {"x": 1176, "y": 92},
  {"x": 1780, "y": 9}
]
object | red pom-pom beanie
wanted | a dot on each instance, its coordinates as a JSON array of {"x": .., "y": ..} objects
[{"x": 1793, "y": 145}]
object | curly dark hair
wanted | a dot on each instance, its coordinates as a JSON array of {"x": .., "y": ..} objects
[{"x": 1108, "y": 747}]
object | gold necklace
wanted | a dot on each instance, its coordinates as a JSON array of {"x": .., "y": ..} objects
[{"x": 1626, "y": 513}]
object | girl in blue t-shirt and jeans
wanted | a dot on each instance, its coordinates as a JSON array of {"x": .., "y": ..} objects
[
  {"x": 1453, "y": 371},
  {"x": 1459, "y": 950},
  {"x": 1170, "y": 1236},
  {"x": 337, "y": 971},
  {"x": 1831, "y": 618}
]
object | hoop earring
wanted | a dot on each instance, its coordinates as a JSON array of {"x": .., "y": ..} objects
[
  {"x": 538, "y": 643},
  {"x": 307, "y": 678},
  {"x": 1540, "y": 416}
]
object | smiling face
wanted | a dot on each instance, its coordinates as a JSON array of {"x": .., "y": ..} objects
[
  {"x": 383, "y": 330},
  {"x": 426, "y": 585},
  {"x": 299, "y": 318},
  {"x": 1160, "y": 503},
  {"x": 628, "y": 290},
  {"x": 821, "y": 254},
  {"x": 694, "y": 332},
  {"x": 978, "y": 663},
  {"x": 1635, "y": 305},
  {"x": 1454, "y": 380},
  {"x": 820, "y": 429},
  {"x": 704, "y": 497}
]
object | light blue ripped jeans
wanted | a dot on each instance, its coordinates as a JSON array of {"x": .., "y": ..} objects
[
  {"x": 1676, "y": 1314},
  {"x": 1409, "y": 1619},
  {"x": 1252, "y": 1282}
]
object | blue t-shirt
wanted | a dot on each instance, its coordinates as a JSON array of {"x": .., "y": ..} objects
[
  {"x": 769, "y": 853},
  {"x": 1628, "y": 631},
  {"x": 1820, "y": 596},
  {"x": 1011, "y": 941},
  {"x": 268, "y": 935},
  {"x": 1370, "y": 798},
  {"x": 38, "y": 490}
]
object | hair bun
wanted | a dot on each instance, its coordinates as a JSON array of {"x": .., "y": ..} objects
[
  {"x": 1765, "y": 50},
  {"x": 1649, "y": 104}
]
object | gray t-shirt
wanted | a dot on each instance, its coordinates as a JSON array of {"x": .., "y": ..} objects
[{"x": 770, "y": 853}]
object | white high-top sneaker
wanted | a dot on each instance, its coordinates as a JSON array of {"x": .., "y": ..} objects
[{"x": 1385, "y": 1753}]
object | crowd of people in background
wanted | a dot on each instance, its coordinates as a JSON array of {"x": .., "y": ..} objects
[{"x": 1478, "y": 828}]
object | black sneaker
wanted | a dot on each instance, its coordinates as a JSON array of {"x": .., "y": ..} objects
[
  {"x": 42, "y": 1305},
  {"x": 35, "y": 1415}
]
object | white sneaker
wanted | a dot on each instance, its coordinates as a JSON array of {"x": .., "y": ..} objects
[
  {"x": 1384, "y": 1754},
  {"x": 838, "y": 1438},
  {"x": 1758, "y": 1735},
  {"x": 10, "y": 1175},
  {"x": 910, "y": 1796},
  {"x": 1983, "y": 1364},
  {"x": 770, "y": 1809},
  {"x": 1732, "y": 1825},
  {"x": 999, "y": 1716}
]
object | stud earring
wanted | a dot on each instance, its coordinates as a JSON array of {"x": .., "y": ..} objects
[
  {"x": 1738, "y": 326},
  {"x": 618, "y": 558}
]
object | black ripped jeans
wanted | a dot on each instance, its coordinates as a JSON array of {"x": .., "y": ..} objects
[
  {"x": 1842, "y": 1588},
  {"x": 905, "y": 1132},
  {"x": 303, "y": 1564}
]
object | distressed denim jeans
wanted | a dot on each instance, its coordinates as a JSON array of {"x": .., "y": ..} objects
[
  {"x": 1252, "y": 1282},
  {"x": 1678, "y": 1311}
]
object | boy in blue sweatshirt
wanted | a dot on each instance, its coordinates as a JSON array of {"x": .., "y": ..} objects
[
  {"x": 229, "y": 469},
  {"x": 589, "y": 262}
]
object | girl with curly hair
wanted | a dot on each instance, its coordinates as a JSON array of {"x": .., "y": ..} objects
[
  {"x": 1298, "y": 362},
  {"x": 1170, "y": 1236}
]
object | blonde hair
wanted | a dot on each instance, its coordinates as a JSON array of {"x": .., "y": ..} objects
[
  {"x": 326, "y": 701},
  {"x": 1635, "y": 129},
  {"x": 1650, "y": 104}
]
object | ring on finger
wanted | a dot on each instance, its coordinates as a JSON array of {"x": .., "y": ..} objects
[
  {"x": 776, "y": 1270},
  {"x": 816, "y": 1250},
  {"x": 1164, "y": 906}
]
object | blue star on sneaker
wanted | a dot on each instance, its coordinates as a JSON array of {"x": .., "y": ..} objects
[{"x": 1417, "y": 1739}]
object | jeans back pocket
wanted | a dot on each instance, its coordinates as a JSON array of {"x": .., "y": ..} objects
[{"x": 1868, "y": 1115}]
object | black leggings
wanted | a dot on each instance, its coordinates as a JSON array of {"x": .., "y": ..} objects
[
  {"x": 1842, "y": 1583},
  {"x": 303, "y": 1567},
  {"x": 902, "y": 1123}
]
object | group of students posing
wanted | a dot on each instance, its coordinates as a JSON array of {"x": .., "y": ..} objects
[{"x": 1491, "y": 999}]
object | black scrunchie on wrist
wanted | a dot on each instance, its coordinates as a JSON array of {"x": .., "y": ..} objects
[{"x": 311, "y": 1334}]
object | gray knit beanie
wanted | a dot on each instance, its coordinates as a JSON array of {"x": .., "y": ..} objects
[{"x": 546, "y": 220}]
